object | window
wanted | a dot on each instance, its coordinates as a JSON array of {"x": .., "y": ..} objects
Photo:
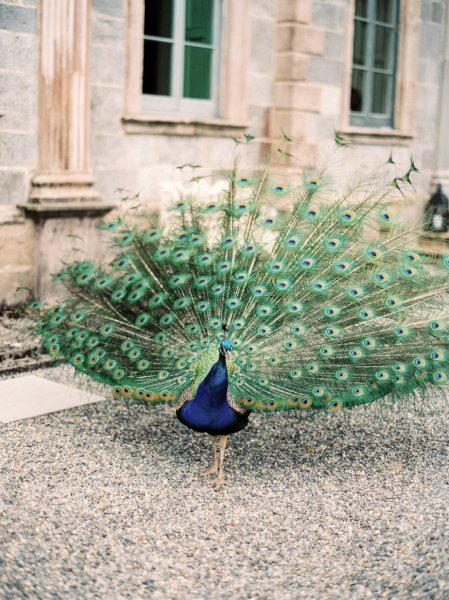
[
  {"x": 180, "y": 56},
  {"x": 374, "y": 63}
]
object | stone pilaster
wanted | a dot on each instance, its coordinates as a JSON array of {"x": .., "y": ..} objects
[
  {"x": 294, "y": 94},
  {"x": 63, "y": 204},
  {"x": 63, "y": 141}
]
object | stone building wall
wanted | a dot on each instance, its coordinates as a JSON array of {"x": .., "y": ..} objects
[{"x": 293, "y": 77}]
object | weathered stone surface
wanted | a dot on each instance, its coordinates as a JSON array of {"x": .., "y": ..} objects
[
  {"x": 106, "y": 110},
  {"x": 107, "y": 31},
  {"x": 18, "y": 101},
  {"x": 113, "y": 8},
  {"x": 263, "y": 33},
  {"x": 16, "y": 258},
  {"x": 325, "y": 70},
  {"x": 329, "y": 16},
  {"x": 108, "y": 65},
  {"x": 300, "y": 38},
  {"x": 292, "y": 10},
  {"x": 292, "y": 66},
  {"x": 260, "y": 89},
  {"x": 13, "y": 186},
  {"x": 108, "y": 150},
  {"x": 110, "y": 183},
  {"x": 18, "y": 18},
  {"x": 17, "y": 149},
  {"x": 298, "y": 96},
  {"x": 178, "y": 151},
  {"x": 334, "y": 45},
  {"x": 291, "y": 123},
  {"x": 431, "y": 43},
  {"x": 19, "y": 51}
]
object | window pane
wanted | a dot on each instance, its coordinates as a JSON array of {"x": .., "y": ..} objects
[
  {"x": 360, "y": 29},
  {"x": 361, "y": 8},
  {"x": 382, "y": 52},
  {"x": 358, "y": 78},
  {"x": 197, "y": 72},
  {"x": 384, "y": 11},
  {"x": 381, "y": 87},
  {"x": 159, "y": 18},
  {"x": 156, "y": 68},
  {"x": 199, "y": 19}
]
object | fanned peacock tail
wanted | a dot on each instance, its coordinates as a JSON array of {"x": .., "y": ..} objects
[{"x": 319, "y": 316}]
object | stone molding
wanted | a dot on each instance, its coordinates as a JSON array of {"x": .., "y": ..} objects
[
  {"x": 59, "y": 210},
  {"x": 145, "y": 124}
]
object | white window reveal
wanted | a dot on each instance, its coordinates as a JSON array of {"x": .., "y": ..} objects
[{"x": 180, "y": 57}]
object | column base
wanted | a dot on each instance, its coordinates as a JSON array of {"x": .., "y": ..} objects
[{"x": 61, "y": 188}]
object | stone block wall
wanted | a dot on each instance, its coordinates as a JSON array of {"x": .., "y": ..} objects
[
  {"x": 18, "y": 142},
  {"x": 296, "y": 75}
]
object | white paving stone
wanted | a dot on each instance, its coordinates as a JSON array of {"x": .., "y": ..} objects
[{"x": 31, "y": 396}]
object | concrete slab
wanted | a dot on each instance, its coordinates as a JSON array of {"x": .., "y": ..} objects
[{"x": 31, "y": 396}]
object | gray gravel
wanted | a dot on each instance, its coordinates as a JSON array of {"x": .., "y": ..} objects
[{"x": 105, "y": 501}]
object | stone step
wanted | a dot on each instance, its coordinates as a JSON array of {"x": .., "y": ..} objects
[{"x": 32, "y": 396}]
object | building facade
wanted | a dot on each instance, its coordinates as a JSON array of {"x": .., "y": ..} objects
[{"x": 98, "y": 96}]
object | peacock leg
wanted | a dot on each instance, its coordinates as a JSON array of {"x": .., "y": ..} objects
[
  {"x": 220, "y": 478},
  {"x": 214, "y": 466}
]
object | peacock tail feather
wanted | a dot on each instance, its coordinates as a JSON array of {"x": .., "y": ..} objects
[{"x": 320, "y": 314}]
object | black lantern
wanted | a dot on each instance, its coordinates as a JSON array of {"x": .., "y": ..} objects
[{"x": 436, "y": 214}]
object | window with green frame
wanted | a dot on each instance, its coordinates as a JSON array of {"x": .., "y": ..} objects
[
  {"x": 374, "y": 63},
  {"x": 180, "y": 55}
]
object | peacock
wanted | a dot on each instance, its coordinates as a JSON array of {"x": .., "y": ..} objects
[{"x": 279, "y": 292}]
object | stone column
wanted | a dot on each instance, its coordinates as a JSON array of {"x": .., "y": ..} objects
[
  {"x": 63, "y": 204},
  {"x": 63, "y": 112}
]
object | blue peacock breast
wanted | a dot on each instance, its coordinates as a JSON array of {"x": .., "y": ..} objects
[{"x": 209, "y": 411}]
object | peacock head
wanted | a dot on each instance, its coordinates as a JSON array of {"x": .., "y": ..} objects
[{"x": 225, "y": 348}]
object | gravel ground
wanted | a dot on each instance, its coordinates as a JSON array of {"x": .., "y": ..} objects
[{"x": 105, "y": 501}]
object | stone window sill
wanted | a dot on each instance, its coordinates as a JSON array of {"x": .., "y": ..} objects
[
  {"x": 375, "y": 136},
  {"x": 169, "y": 125}
]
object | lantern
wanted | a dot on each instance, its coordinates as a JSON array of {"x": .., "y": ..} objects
[{"x": 436, "y": 213}]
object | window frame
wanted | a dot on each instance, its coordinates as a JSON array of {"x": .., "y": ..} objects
[
  {"x": 402, "y": 132},
  {"x": 176, "y": 102},
  {"x": 367, "y": 118},
  {"x": 141, "y": 115}
]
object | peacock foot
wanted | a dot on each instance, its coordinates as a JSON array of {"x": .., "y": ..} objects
[
  {"x": 219, "y": 482},
  {"x": 212, "y": 470}
]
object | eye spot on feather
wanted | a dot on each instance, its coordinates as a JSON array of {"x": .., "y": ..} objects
[
  {"x": 420, "y": 362},
  {"x": 382, "y": 375},
  {"x": 440, "y": 377},
  {"x": 312, "y": 184},
  {"x": 358, "y": 392},
  {"x": 335, "y": 406},
  {"x": 305, "y": 403},
  {"x": 312, "y": 368},
  {"x": 118, "y": 374},
  {"x": 295, "y": 373}
]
